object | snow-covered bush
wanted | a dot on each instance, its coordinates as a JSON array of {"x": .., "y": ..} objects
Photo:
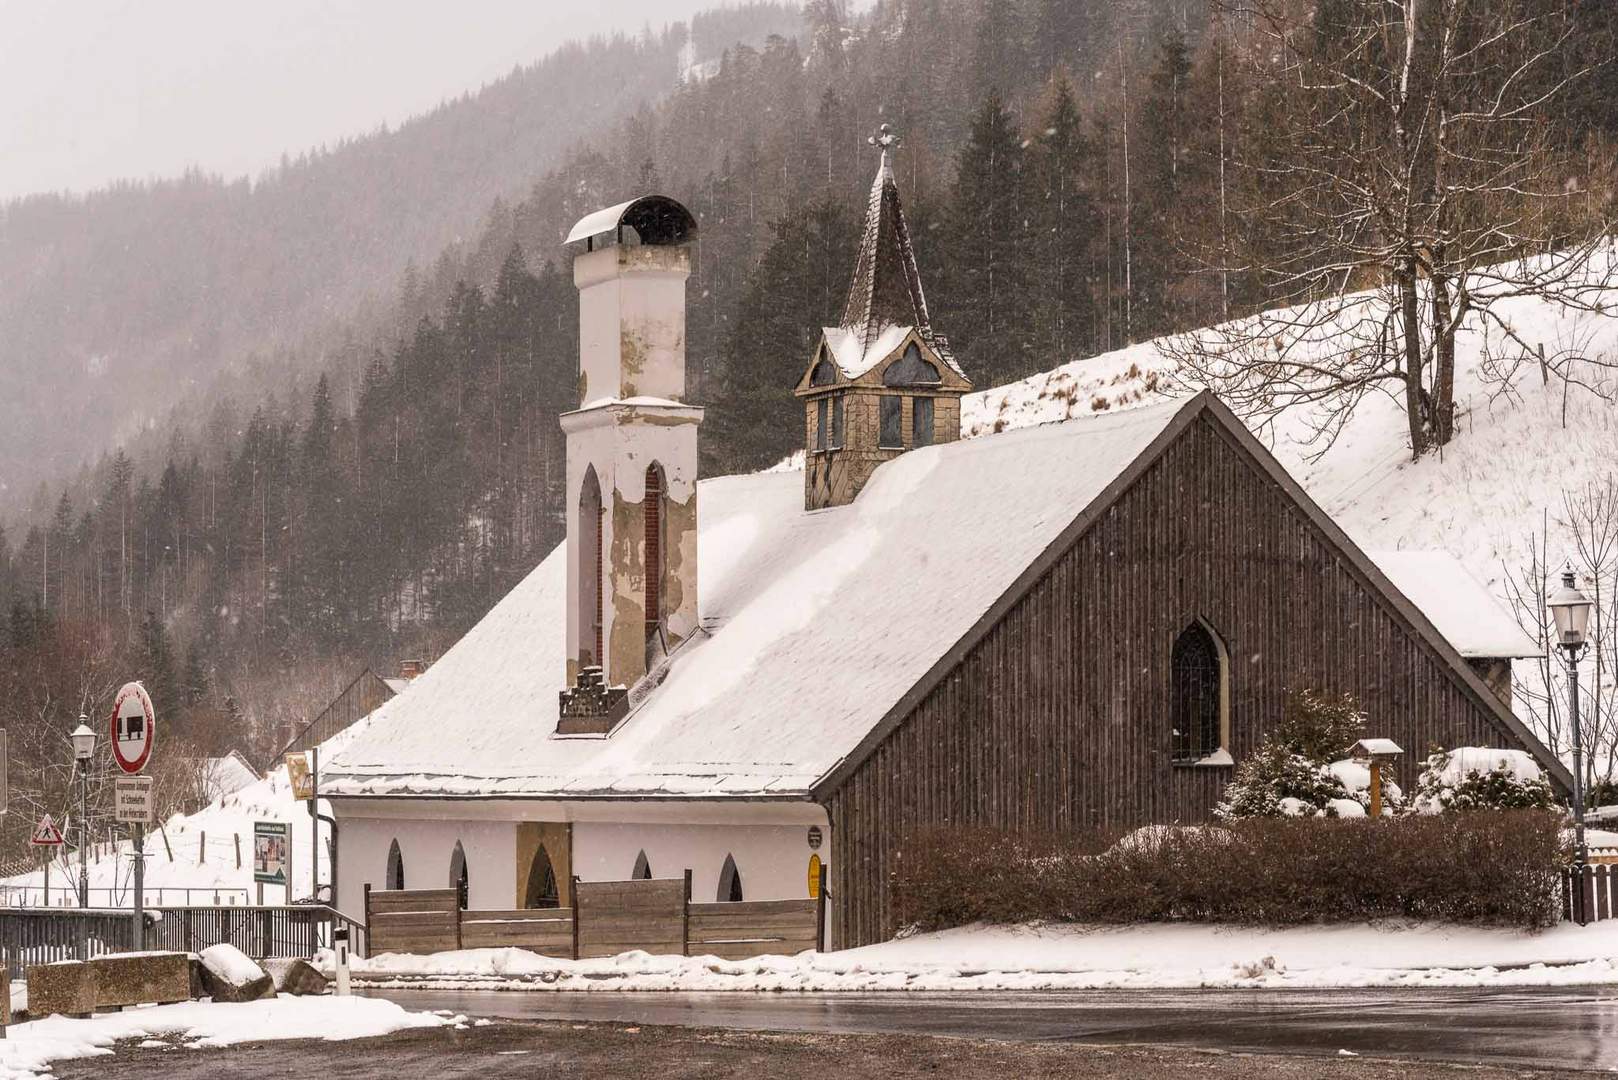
[
  {"x": 1293, "y": 772},
  {"x": 1499, "y": 869},
  {"x": 1480, "y": 778}
]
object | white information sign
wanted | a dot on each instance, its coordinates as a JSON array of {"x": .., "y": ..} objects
[{"x": 132, "y": 799}]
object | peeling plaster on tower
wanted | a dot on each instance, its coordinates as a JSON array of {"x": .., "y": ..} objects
[{"x": 631, "y": 416}]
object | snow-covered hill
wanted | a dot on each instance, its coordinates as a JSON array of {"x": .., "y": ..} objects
[
  {"x": 201, "y": 858},
  {"x": 1520, "y": 443}
]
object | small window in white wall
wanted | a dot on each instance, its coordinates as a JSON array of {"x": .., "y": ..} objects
[
  {"x": 395, "y": 867},
  {"x": 730, "y": 883},
  {"x": 457, "y": 875},
  {"x": 643, "y": 869}
]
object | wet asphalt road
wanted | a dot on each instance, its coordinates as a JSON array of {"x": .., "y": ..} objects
[{"x": 1561, "y": 1028}]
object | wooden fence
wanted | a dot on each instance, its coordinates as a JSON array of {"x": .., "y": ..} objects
[
  {"x": 607, "y": 918},
  {"x": 1597, "y": 899}
]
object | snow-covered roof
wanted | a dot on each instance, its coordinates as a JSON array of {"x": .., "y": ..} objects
[
  {"x": 1465, "y": 612},
  {"x": 854, "y": 358},
  {"x": 814, "y": 626},
  {"x": 227, "y": 775}
]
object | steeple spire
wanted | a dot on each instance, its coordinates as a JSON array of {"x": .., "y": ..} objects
[{"x": 886, "y": 290}]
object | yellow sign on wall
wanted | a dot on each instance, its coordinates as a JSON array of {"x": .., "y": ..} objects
[{"x": 814, "y": 877}]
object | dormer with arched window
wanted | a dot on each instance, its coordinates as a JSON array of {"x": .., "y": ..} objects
[{"x": 883, "y": 381}]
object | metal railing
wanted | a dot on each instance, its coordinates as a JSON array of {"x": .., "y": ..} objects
[
  {"x": 31, "y": 936},
  {"x": 67, "y": 896}
]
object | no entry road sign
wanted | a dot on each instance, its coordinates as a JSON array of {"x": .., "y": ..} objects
[{"x": 134, "y": 724}]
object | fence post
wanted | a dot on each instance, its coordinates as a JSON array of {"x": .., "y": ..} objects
[
  {"x": 574, "y": 899},
  {"x": 685, "y": 916},
  {"x": 820, "y": 911},
  {"x": 267, "y": 944},
  {"x": 455, "y": 903}
]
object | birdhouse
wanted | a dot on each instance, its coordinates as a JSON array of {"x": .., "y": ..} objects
[{"x": 1374, "y": 753}]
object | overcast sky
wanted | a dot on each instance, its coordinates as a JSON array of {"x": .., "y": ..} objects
[{"x": 97, "y": 90}]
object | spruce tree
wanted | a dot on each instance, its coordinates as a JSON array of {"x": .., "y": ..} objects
[
  {"x": 990, "y": 306},
  {"x": 1064, "y": 216}
]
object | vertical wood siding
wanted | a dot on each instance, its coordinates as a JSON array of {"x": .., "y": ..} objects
[{"x": 1058, "y": 718}]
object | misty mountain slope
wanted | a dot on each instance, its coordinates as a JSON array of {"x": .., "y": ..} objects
[{"x": 116, "y": 304}]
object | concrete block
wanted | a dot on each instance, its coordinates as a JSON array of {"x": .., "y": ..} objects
[
  {"x": 67, "y": 987},
  {"x": 142, "y": 978}
]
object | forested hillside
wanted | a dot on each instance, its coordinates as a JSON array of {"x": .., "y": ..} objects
[{"x": 1077, "y": 177}]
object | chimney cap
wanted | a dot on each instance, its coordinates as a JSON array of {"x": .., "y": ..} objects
[{"x": 657, "y": 220}]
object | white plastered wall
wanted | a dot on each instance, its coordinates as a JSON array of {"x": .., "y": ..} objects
[
  {"x": 426, "y": 845},
  {"x": 769, "y": 842}
]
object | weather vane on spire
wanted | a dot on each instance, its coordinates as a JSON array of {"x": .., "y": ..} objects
[{"x": 888, "y": 142}]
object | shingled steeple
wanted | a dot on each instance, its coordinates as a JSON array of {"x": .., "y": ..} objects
[{"x": 882, "y": 381}]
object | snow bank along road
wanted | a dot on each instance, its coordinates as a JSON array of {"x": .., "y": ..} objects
[{"x": 1546, "y": 1029}]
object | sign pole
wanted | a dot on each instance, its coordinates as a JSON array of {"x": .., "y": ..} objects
[
  {"x": 139, "y": 939},
  {"x": 314, "y": 831}
]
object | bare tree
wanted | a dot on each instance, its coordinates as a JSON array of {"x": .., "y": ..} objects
[
  {"x": 1419, "y": 184},
  {"x": 1589, "y": 525}
]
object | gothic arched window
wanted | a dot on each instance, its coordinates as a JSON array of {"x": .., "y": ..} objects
[
  {"x": 910, "y": 370},
  {"x": 1199, "y": 693},
  {"x": 730, "y": 883},
  {"x": 643, "y": 869},
  {"x": 541, "y": 891},
  {"x": 590, "y": 567},
  {"x": 395, "y": 867},
  {"x": 823, "y": 373},
  {"x": 457, "y": 875}
]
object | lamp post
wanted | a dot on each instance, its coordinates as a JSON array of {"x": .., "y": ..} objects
[
  {"x": 1570, "y": 609},
  {"x": 84, "y": 746}
]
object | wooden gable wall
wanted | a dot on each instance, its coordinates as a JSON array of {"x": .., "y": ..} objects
[{"x": 1057, "y": 718}]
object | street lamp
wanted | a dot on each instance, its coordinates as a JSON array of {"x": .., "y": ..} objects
[
  {"x": 84, "y": 746},
  {"x": 1570, "y": 608}
]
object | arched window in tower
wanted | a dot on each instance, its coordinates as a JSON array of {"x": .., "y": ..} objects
[
  {"x": 823, "y": 374},
  {"x": 590, "y": 566},
  {"x": 730, "y": 883},
  {"x": 395, "y": 867},
  {"x": 457, "y": 875},
  {"x": 656, "y": 556},
  {"x": 1199, "y": 694},
  {"x": 643, "y": 869},
  {"x": 541, "y": 891},
  {"x": 911, "y": 370}
]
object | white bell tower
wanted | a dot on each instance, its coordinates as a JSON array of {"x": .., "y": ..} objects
[{"x": 631, "y": 458}]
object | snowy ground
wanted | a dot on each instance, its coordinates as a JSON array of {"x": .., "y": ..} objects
[
  {"x": 1064, "y": 957},
  {"x": 28, "y": 1049}
]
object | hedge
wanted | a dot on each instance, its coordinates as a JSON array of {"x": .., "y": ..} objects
[{"x": 1498, "y": 868}]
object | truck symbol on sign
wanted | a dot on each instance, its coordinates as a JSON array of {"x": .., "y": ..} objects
[{"x": 134, "y": 726}]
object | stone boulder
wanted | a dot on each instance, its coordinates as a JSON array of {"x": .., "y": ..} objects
[
  {"x": 228, "y": 974},
  {"x": 295, "y": 976}
]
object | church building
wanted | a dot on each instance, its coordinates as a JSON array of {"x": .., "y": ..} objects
[{"x": 1083, "y": 624}]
